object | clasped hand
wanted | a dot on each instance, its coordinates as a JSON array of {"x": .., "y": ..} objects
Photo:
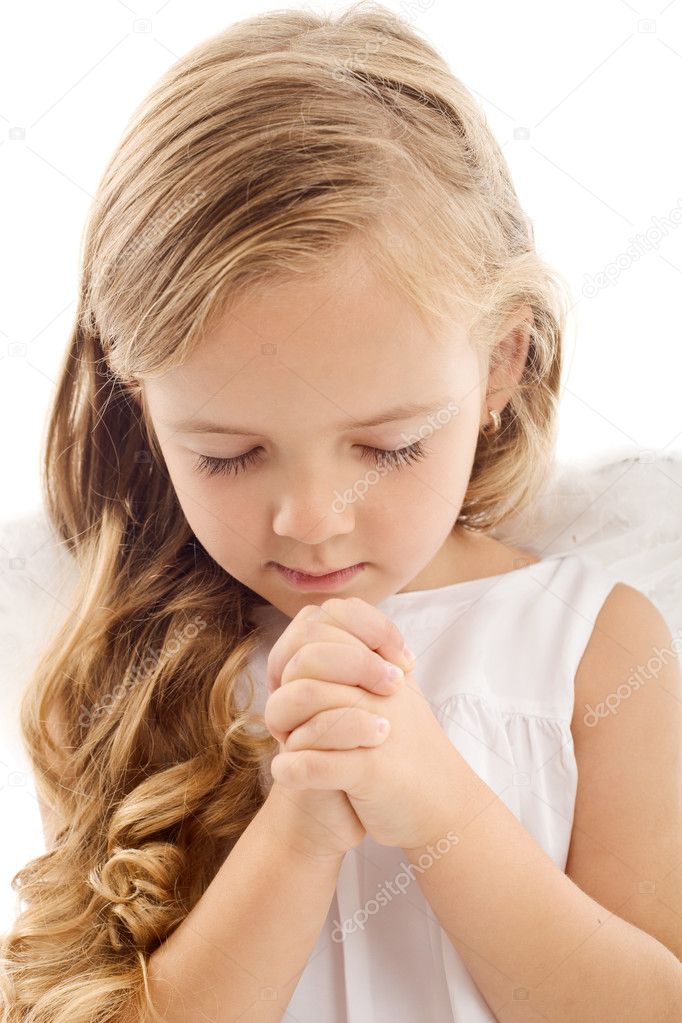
[{"x": 327, "y": 685}]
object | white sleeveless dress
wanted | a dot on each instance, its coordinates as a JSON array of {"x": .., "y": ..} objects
[{"x": 497, "y": 659}]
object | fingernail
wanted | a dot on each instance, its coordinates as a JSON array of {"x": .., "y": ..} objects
[
  {"x": 383, "y": 725},
  {"x": 393, "y": 671}
]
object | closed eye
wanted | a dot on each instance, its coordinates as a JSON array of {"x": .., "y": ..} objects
[{"x": 394, "y": 458}]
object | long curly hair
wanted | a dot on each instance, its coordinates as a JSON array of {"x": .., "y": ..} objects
[{"x": 258, "y": 156}]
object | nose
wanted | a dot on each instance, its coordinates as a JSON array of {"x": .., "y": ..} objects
[{"x": 311, "y": 511}]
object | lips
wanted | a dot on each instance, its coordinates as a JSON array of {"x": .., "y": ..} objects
[
  {"x": 317, "y": 583},
  {"x": 316, "y": 575}
]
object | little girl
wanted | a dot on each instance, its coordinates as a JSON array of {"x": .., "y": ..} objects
[{"x": 316, "y": 363}]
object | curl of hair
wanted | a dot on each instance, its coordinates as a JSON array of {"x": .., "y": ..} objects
[{"x": 258, "y": 156}]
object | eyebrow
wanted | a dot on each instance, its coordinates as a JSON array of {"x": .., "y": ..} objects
[{"x": 405, "y": 411}]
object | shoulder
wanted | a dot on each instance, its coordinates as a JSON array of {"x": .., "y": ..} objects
[
  {"x": 626, "y": 844},
  {"x": 629, "y": 627}
]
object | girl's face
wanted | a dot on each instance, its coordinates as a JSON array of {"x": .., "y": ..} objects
[{"x": 287, "y": 379}]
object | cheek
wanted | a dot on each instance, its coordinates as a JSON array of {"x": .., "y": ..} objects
[
  {"x": 218, "y": 510},
  {"x": 433, "y": 498},
  {"x": 229, "y": 530},
  {"x": 229, "y": 512}
]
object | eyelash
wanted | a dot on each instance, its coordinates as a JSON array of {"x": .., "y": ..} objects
[{"x": 208, "y": 465}]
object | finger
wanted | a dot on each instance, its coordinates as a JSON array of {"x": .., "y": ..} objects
[
  {"x": 338, "y": 728},
  {"x": 301, "y": 699},
  {"x": 297, "y": 633},
  {"x": 352, "y": 615},
  {"x": 319, "y": 769},
  {"x": 349, "y": 665},
  {"x": 372, "y": 626},
  {"x": 293, "y": 637}
]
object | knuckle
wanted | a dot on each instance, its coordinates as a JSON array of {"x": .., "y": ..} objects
[
  {"x": 287, "y": 702},
  {"x": 301, "y": 692},
  {"x": 309, "y": 767},
  {"x": 326, "y": 721},
  {"x": 294, "y": 667},
  {"x": 307, "y": 611},
  {"x": 294, "y": 741},
  {"x": 393, "y": 634},
  {"x": 335, "y": 607},
  {"x": 347, "y": 724},
  {"x": 294, "y": 663},
  {"x": 369, "y": 727},
  {"x": 270, "y": 711},
  {"x": 376, "y": 665},
  {"x": 309, "y": 628}
]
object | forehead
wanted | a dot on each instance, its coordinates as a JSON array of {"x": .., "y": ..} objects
[
  {"x": 343, "y": 345},
  {"x": 341, "y": 313}
]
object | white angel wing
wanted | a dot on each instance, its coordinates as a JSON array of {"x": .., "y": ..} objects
[
  {"x": 36, "y": 579},
  {"x": 36, "y": 576},
  {"x": 625, "y": 511}
]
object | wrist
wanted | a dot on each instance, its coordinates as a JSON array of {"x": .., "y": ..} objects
[
  {"x": 284, "y": 827},
  {"x": 457, "y": 799}
]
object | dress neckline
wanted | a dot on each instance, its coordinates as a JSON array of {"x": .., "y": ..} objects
[{"x": 453, "y": 592}]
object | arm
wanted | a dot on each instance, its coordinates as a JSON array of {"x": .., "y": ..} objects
[
  {"x": 535, "y": 944},
  {"x": 602, "y": 941},
  {"x": 242, "y": 949},
  {"x": 240, "y": 952}
]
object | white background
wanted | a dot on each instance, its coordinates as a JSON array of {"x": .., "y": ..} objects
[{"x": 583, "y": 97}]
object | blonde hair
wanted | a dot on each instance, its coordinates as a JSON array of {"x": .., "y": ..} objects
[{"x": 258, "y": 156}]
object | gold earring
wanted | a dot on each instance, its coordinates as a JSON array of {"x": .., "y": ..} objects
[{"x": 497, "y": 421}]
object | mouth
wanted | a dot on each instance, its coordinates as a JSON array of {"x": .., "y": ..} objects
[
  {"x": 315, "y": 575},
  {"x": 325, "y": 581}
]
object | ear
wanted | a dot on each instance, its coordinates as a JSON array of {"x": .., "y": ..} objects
[
  {"x": 509, "y": 361},
  {"x": 134, "y": 391}
]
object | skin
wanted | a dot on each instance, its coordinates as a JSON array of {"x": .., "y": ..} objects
[{"x": 288, "y": 364}]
